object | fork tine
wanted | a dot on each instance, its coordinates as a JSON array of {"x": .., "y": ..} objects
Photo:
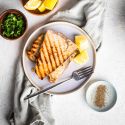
[
  {"x": 83, "y": 72},
  {"x": 83, "y": 69},
  {"x": 86, "y": 71},
  {"x": 86, "y": 74}
]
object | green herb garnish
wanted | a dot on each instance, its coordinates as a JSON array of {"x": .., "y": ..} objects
[{"x": 13, "y": 26}]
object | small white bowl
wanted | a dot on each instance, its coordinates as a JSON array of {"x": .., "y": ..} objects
[{"x": 110, "y": 96}]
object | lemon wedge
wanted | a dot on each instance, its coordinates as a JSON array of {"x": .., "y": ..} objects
[
  {"x": 82, "y": 42},
  {"x": 50, "y": 4},
  {"x": 42, "y": 8},
  {"x": 33, "y": 4},
  {"x": 82, "y": 57}
]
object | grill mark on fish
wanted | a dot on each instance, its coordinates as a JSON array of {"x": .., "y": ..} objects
[
  {"x": 58, "y": 47},
  {"x": 64, "y": 45},
  {"x": 37, "y": 71},
  {"x": 41, "y": 68},
  {"x": 45, "y": 65},
  {"x": 47, "y": 57},
  {"x": 34, "y": 50},
  {"x": 50, "y": 35},
  {"x": 50, "y": 52}
]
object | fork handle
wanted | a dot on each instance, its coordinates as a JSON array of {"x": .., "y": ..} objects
[{"x": 46, "y": 89}]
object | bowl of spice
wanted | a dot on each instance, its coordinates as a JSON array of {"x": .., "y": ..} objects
[
  {"x": 13, "y": 24},
  {"x": 101, "y": 96}
]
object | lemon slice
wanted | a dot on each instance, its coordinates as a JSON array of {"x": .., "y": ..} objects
[
  {"x": 33, "y": 4},
  {"x": 50, "y": 4},
  {"x": 82, "y": 57},
  {"x": 42, "y": 8},
  {"x": 82, "y": 42}
]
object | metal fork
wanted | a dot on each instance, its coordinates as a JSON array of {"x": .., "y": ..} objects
[{"x": 77, "y": 75}]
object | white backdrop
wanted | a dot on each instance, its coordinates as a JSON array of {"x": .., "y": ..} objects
[{"x": 72, "y": 109}]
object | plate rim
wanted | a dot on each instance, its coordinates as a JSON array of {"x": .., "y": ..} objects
[{"x": 65, "y": 23}]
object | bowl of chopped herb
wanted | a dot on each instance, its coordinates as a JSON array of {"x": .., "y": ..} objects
[
  {"x": 13, "y": 24},
  {"x": 101, "y": 96}
]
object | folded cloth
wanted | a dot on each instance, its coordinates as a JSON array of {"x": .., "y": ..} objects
[
  {"x": 34, "y": 111},
  {"x": 88, "y": 14}
]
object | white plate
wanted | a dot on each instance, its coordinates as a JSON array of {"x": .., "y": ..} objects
[{"x": 70, "y": 30}]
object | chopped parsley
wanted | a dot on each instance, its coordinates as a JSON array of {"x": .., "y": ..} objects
[{"x": 13, "y": 26}]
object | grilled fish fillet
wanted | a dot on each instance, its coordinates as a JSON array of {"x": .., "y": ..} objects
[
  {"x": 54, "y": 52},
  {"x": 34, "y": 50},
  {"x": 58, "y": 72}
]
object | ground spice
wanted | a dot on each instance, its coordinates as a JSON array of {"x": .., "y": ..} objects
[{"x": 100, "y": 96}]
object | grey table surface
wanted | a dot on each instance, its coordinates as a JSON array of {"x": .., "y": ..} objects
[{"x": 72, "y": 109}]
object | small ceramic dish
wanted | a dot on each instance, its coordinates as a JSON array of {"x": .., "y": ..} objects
[
  {"x": 110, "y": 96},
  {"x": 37, "y": 12},
  {"x": 17, "y": 13}
]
